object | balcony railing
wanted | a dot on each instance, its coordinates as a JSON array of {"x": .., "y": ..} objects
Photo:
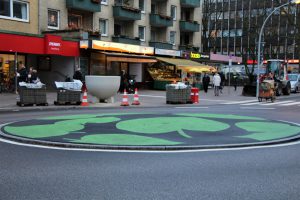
[
  {"x": 126, "y": 13},
  {"x": 84, "y": 5},
  {"x": 190, "y": 3},
  {"x": 159, "y": 20},
  {"x": 126, "y": 40},
  {"x": 187, "y": 26},
  {"x": 160, "y": 45}
]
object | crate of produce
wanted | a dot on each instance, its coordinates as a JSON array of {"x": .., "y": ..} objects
[
  {"x": 178, "y": 95},
  {"x": 65, "y": 97},
  {"x": 32, "y": 96}
]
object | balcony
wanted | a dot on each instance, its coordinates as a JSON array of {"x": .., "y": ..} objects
[
  {"x": 188, "y": 48},
  {"x": 158, "y": 20},
  {"x": 190, "y": 3},
  {"x": 187, "y": 26},
  {"x": 126, "y": 40},
  {"x": 84, "y": 5},
  {"x": 161, "y": 45},
  {"x": 126, "y": 13}
]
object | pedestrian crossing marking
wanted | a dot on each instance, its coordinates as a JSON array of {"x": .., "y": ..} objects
[
  {"x": 278, "y": 103},
  {"x": 249, "y": 104},
  {"x": 239, "y": 102},
  {"x": 291, "y": 104}
]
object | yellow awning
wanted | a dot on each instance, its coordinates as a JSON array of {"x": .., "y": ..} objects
[{"x": 187, "y": 65}]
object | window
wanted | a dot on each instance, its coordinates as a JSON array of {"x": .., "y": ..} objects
[
  {"x": 105, "y": 2},
  {"x": 142, "y": 33},
  {"x": 74, "y": 21},
  {"x": 142, "y": 5},
  {"x": 103, "y": 23},
  {"x": 173, "y": 12},
  {"x": 13, "y": 9},
  {"x": 172, "y": 37},
  {"x": 53, "y": 19}
]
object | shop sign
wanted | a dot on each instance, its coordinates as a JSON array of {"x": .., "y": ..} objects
[
  {"x": 84, "y": 44},
  {"x": 194, "y": 55},
  {"x": 167, "y": 52},
  {"x": 119, "y": 47},
  {"x": 53, "y": 44},
  {"x": 225, "y": 58}
]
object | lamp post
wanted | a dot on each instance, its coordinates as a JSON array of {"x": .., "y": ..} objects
[{"x": 259, "y": 40}]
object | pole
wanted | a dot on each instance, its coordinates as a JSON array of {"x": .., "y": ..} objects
[
  {"x": 16, "y": 70},
  {"x": 259, "y": 63},
  {"x": 229, "y": 67}
]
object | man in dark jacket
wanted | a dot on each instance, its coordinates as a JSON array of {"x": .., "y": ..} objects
[
  {"x": 78, "y": 75},
  {"x": 205, "y": 82},
  {"x": 22, "y": 73}
]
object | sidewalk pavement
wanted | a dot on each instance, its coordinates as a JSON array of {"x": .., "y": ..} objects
[{"x": 147, "y": 98}]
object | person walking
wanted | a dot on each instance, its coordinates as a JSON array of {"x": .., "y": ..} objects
[
  {"x": 235, "y": 82},
  {"x": 205, "y": 82},
  {"x": 216, "y": 82},
  {"x": 222, "y": 84}
]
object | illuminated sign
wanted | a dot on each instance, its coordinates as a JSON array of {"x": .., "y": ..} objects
[
  {"x": 198, "y": 56},
  {"x": 119, "y": 47},
  {"x": 53, "y": 44}
]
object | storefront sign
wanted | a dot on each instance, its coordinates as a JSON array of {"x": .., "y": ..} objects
[
  {"x": 225, "y": 58},
  {"x": 119, "y": 47},
  {"x": 53, "y": 44},
  {"x": 50, "y": 44},
  {"x": 84, "y": 44},
  {"x": 167, "y": 52},
  {"x": 194, "y": 55}
]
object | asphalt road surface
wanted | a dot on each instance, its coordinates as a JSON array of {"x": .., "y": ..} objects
[{"x": 257, "y": 173}]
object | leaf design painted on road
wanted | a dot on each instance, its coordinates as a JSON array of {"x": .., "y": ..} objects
[
  {"x": 263, "y": 131},
  {"x": 219, "y": 116},
  {"x": 160, "y": 125},
  {"x": 123, "y": 139},
  {"x": 57, "y": 129},
  {"x": 82, "y": 116}
]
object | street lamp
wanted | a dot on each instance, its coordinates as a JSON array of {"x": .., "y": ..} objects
[{"x": 260, "y": 36}]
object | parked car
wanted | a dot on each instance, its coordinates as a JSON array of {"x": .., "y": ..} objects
[{"x": 295, "y": 82}]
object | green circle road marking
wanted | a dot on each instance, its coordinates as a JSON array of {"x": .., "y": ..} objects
[
  {"x": 263, "y": 131},
  {"x": 123, "y": 139},
  {"x": 169, "y": 124},
  {"x": 219, "y": 116}
]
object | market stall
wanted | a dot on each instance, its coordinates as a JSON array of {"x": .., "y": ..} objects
[{"x": 174, "y": 69}]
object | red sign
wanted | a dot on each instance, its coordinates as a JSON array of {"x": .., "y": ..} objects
[
  {"x": 53, "y": 44},
  {"x": 49, "y": 44}
]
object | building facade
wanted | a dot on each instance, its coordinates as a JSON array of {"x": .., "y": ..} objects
[{"x": 231, "y": 27}]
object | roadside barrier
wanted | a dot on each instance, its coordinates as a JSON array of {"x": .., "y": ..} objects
[
  {"x": 136, "y": 98},
  {"x": 84, "y": 99},
  {"x": 125, "y": 99}
]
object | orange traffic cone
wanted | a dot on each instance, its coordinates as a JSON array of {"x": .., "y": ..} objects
[
  {"x": 136, "y": 98},
  {"x": 125, "y": 99},
  {"x": 84, "y": 99}
]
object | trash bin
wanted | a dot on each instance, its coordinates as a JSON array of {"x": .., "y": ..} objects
[{"x": 178, "y": 95}]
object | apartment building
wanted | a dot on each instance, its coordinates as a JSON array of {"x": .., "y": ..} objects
[{"x": 231, "y": 27}]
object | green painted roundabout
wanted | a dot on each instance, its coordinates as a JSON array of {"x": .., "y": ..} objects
[{"x": 152, "y": 129}]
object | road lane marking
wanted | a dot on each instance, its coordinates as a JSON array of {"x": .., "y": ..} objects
[
  {"x": 277, "y": 103},
  {"x": 290, "y": 104},
  {"x": 239, "y": 102},
  {"x": 249, "y": 104},
  {"x": 256, "y": 108},
  {"x": 190, "y": 107}
]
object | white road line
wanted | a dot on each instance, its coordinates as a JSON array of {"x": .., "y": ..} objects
[
  {"x": 277, "y": 103},
  {"x": 249, "y": 104},
  {"x": 239, "y": 102},
  {"x": 290, "y": 104},
  {"x": 190, "y": 107},
  {"x": 255, "y": 108},
  {"x": 144, "y": 95}
]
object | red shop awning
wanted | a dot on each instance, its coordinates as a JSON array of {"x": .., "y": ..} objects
[{"x": 49, "y": 45}]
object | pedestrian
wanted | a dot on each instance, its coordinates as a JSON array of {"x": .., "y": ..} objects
[
  {"x": 222, "y": 84},
  {"x": 216, "y": 82},
  {"x": 123, "y": 81},
  {"x": 78, "y": 75},
  {"x": 205, "y": 82},
  {"x": 22, "y": 73},
  {"x": 34, "y": 77},
  {"x": 235, "y": 82}
]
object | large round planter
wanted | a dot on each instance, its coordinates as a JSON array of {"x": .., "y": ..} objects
[{"x": 102, "y": 87}]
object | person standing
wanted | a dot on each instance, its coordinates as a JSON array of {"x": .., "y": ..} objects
[
  {"x": 235, "y": 82},
  {"x": 216, "y": 82},
  {"x": 78, "y": 75},
  {"x": 222, "y": 84},
  {"x": 205, "y": 82},
  {"x": 22, "y": 73}
]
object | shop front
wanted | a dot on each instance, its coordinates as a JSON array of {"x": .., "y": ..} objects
[
  {"x": 110, "y": 58},
  {"x": 53, "y": 57},
  {"x": 171, "y": 68}
]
